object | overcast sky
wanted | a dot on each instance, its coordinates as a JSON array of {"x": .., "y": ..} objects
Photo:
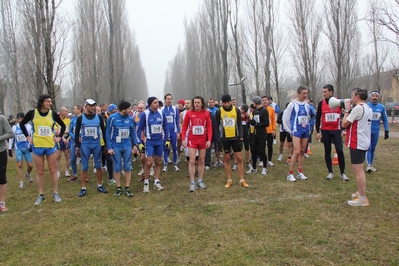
[{"x": 158, "y": 25}]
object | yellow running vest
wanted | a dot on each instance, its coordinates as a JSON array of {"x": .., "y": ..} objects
[
  {"x": 43, "y": 136},
  {"x": 229, "y": 123}
]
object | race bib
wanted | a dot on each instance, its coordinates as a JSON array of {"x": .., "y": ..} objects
[
  {"x": 229, "y": 122},
  {"x": 91, "y": 132},
  {"x": 20, "y": 138},
  {"x": 169, "y": 119},
  {"x": 331, "y": 117},
  {"x": 198, "y": 130},
  {"x": 302, "y": 119},
  {"x": 44, "y": 131},
  {"x": 376, "y": 116},
  {"x": 256, "y": 118},
  {"x": 156, "y": 129},
  {"x": 124, "y": 133}
]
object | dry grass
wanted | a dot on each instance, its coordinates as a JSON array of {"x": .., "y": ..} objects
[{"x": 273, "y": 222}]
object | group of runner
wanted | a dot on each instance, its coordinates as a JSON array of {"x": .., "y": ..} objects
[{"x": 114, "y": 136}]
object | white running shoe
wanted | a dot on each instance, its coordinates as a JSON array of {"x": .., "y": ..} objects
[
  {"x": 251, "y": 171},
  {"x": 344, "y": 177},
  {"x": 269, "y": 163},
  {"x": 94, "y": 170},
  {"x": 201, "y": 185},
  {"x": 207, "y": 168},
  {"x": 306, "y": 155},
  {"x": 176, "y": 168},
  {"x": 146, "y": 188},
  {"x": 280, "y": 158},
  {"x": 165, "y": 168},
  {"x": 192, "y": 188},
  {"x": 234, "y": 168},
  {"x": 264, "y": 171},
  {"x": 104, "y": 168},
  {"x": 158, "y": 186},
  {"x": 330, "y": 176},
  {"x": 274, "y": 142},
  {"x": 301, "y": 176},
  {"x": 249, "y": 166},
  {"x": 58, "y": 175},
  {"x": 291, "y": 178},
  {"x": 169, "y": 160},
  {"x": 141, "y": 172},
  {"x": 21, "y": 184},
  {"x": 67, "y": 174}
]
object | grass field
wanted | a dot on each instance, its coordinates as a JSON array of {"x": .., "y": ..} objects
[{"x": 273, "y": 222}]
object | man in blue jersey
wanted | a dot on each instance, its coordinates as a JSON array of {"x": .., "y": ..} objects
[
  {"x": 121, "y": 143},
  {"x": 379, "y": 113},
  {"x": 77, "y": 112},
  {"x": 92, "y": 128},
  {"x": 22, "y": 150},
  {"x": 173, "y": 121},
  {"x": 296, "y": 121},
  {"x": 153, "y": 124}
]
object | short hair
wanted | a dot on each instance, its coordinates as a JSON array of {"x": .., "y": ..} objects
[
  {"x": 361, "y": 92},
  {"x": 270, "y": 98},
  {"x": 245, "y": 107},
  {"x": 103, "y": 104},
  {"x": 264, "y": 96},
  {"x": 301, "y": 88},
  {"x": 211, "y": 99},
  {"x": 202, "y": 101},
  {"x": 329, "y": 87},
  {"x": 79, "y": 107},
  {"x": 166, "y": 95},
  {"x": 41, "y": 99}
]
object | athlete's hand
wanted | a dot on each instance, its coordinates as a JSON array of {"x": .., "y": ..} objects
[
  {"x": 29, "y": 139},
  {"x": 141, "y": 147},
  {"x": 111, "y": 151},
  {"x": 208, "y": 144},
  {"x": 386, "y": 134},
  {"x": 77, "y": 152},
  {"x": 184, "y": 144},
  {"x": 167, "y": 145},
  {"x": 10, "y": 153},
  {"x": 134, "y": 149},
  {"x": 318, "y": 136},
  {"x": 56, "y": 139},
  {"x": 252, "y": 122}
]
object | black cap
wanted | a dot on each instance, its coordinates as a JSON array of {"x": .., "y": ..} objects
[
  {"x": 22, "y": 115},
  {"x": 226, "y": 98}
]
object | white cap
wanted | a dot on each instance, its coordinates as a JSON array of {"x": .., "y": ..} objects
[{"x": 90, "y": 102}]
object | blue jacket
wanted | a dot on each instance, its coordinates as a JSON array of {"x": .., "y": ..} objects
[
  {"x": 172, "y": 118},
  {"x": 153, "y": 124},
  {"x": 121, "y": 132},
  {"x": 379, "y": 113}
]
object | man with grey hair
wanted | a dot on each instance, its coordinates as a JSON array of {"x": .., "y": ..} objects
[{"x": 260, "y": 121}]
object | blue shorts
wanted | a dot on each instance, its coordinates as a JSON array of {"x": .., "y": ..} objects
[
  {"x": 85, "y": 151},
  {"x": 43, "y": 151},
  {"x": 20, "y": 154},
  {"x": 124, "y": 154},
  {"x": 302, "y": 134},
  {"x": 153, "y": 148},
  {"x": 62, "y": 147}
]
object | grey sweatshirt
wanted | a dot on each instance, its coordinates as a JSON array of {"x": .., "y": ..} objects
[{"x": 5, "y": 133}]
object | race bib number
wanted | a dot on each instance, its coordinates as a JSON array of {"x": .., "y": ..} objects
[
  {"x": 156, "y": 129},
  {"x": 44, "y": 131},
  {"x": 256, "y": 118},
  {"x": 91, "y": 132},
  {"x": 20, "y": 138},
  {"x": 376, "y": 116},
  {"x": 331, "y": 117},
  {"x": 198, "y": 130},
  {"x": 302, "y": 119},
  {"x": 124, "y": 133},
  {"x": 229, "y": 122},
  {"x": 169, "y": 119}
]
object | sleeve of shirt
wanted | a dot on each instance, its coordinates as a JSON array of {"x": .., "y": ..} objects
[
  {"x": 77, "y": 131},
  {"x": 141, "y": 127},
  {"x": 28, "y": 117},
  {"x": 355, "y": 114},
  {"x": 384, "y": 118},
  {"x": 102, "y": 126},
  {"x": 165, "y": 128},
  {"x": 209, "y": 125},
  {"x": 239, "y": 124},
  {"x": 61, "y": 123},
  {"x": 177, "y": 120},
  {"x": 318, "y": 117},
  {"x": 133, "y": 135},
  {"x": 7, "y": 131},
  {"x": 286, "y": 117},
  {"x": 71, "y": 133},
  {"x": 108, "y": 133}
]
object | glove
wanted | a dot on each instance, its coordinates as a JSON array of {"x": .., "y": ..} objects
[
  {"x": 252, "y": 122},
  {"x": 141, "y": 147},
  {"x": 386, "y": 134},
  {"x": 10, "y": 153},
  {"x": 167, "y": 145}
]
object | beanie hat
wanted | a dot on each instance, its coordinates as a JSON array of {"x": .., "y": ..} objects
[
  {"x": 181, "y": 101},
  {"x": 226, "y": 98},
  {"x": 150, "y": 100},
  {"x": 111, "y": 107},
  {"x": 123, "y": 105},
  {"x": 257, "y": 100}
]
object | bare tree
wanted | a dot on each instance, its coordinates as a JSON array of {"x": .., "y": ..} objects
[
  {"x": 306, "y": 25},
  {"x": 387, "y": 15},
  {"x": 344, "y": 38}
]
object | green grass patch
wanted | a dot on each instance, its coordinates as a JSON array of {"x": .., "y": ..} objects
[{"x": 273, "y": 222}]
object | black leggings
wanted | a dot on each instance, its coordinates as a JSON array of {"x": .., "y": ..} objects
[
  {"x": 3, "y": 167},
  {"x": 269, "y": 146},
  {"x": 333, "y": 136},
  {"x": 259, "y": 146}
]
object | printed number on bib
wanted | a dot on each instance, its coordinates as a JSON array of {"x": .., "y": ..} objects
[
  {"x": 228, "y": 122},
  {"x": 124, "y": 133},
  {"x": 21, "y": 138},
  {"x": 91, "y": 132},
  {"x": 376, "y": 116},
  {"x": 198, "y": 130},
  {"x": 169, "y": 119},
  {"x": 256, "y": 118},
  {"x": 44, "y": 131},
  {"x": 331, "y": 117},
  {"x": 303, "y": 120},
  {"x": 156, "y": 129}
]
